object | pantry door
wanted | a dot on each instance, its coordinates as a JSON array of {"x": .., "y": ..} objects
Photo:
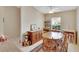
[
  {"x": 1, "y": 20},
  {"x": 1, "y": 26},
  {"x": 12, "y": 21}
]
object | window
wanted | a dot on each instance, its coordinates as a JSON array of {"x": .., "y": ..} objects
[{"x": 56, "y": 23}]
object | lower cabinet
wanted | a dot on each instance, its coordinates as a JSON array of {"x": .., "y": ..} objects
[{"x": 34, "y": 36}]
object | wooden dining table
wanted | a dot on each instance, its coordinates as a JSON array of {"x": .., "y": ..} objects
[
  {"x": 53, "y": 35},
  {"x": 53, "y": 41}
]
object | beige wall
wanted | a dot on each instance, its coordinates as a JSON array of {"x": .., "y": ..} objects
[
  {"x": 77, "y": 23},
  {"x": 12, "y": 21},
  {"x": 68, "y": 19},
  {"x": 30, "y": 15}
]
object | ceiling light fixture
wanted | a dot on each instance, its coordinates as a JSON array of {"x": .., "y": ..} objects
[
  {"x": 50, "y": 9},
  {"x": 53, "y": 10}
]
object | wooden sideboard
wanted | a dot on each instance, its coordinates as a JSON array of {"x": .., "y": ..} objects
[{"x": 34, "y": 36}]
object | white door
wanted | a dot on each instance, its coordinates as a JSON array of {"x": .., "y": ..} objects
[
  {"x": 1, "y": 21},
  {"x": 11, "y": 22},
  {"x": 1, "y": 26}
]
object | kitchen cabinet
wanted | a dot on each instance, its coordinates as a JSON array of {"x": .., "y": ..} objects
[{"x": 34, "y": 36}]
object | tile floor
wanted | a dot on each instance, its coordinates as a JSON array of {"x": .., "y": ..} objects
[{"x": 8, "y": 46}]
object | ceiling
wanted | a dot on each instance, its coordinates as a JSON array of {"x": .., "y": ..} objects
[{"x": 46, "y": 9}]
